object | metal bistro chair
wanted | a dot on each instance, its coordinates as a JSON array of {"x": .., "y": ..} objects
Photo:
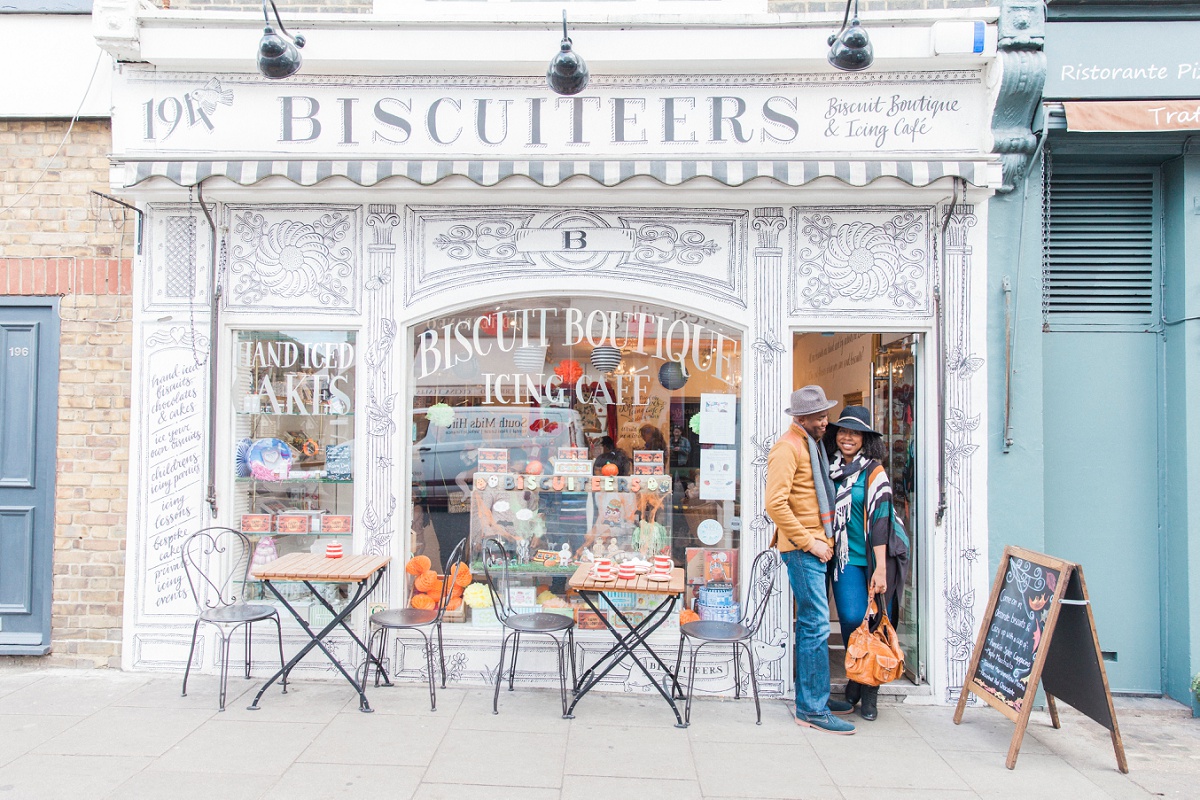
[
  {"x": 560, "y": 629},
  {"x": 762, "y": 582},
  {"x": 415, "y": 619},
  {"x": 216, "y": 561}
]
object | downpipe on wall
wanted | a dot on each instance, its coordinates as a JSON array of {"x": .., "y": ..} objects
[{"x": 213, "y": 330}]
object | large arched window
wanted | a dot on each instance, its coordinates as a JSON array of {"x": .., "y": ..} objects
[{"x": 574, "y": 429}]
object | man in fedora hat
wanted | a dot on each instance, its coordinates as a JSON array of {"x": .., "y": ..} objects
[{"x": 800, "y": 502}]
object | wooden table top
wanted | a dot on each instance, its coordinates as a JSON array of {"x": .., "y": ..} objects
[
  {"x": 316, "y": 567},
  {"x": 582, "y": 580}
]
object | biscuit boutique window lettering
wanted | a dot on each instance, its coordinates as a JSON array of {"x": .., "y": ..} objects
[{"x": 575, "y": 430}]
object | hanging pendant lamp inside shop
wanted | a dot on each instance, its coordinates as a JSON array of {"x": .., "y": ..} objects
[
  {"x": 568, "y": 73},
  {"x": 530, "y": 359},
  {"x": 278, "y": 55},
  {"x": 672, "y": 375},
  {"x": 850, "y": 48},
  {"x": 606, "y": 358}
]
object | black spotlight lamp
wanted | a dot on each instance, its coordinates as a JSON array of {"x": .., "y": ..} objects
[
  {"x": 278, "y": 55},
  {"x": 567, "y": 73},
  {"x": 850, "y": 48}
]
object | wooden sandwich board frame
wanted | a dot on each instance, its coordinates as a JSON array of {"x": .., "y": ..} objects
[{"x": 1069, "y": 667}]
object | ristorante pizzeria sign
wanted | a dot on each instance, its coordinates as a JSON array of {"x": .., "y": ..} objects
[{"x": 159, "y": 114}]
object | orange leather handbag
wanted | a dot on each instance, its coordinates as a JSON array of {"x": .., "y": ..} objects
[{"x": 874, "y": 657}]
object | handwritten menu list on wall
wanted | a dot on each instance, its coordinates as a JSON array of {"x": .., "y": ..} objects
[
  {"x": 172, "y": 422},
  {"x": 1014, "y": 631}
]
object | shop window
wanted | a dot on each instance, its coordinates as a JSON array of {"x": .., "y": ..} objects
[
  {"x": 575, "y": 430},
  {"x": 293, "y": 449}
]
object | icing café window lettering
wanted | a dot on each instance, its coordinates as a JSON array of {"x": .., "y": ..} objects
[{"x": 573, "y": 430}]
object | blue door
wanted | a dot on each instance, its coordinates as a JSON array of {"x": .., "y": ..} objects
[{"x": 28, "y": 427}]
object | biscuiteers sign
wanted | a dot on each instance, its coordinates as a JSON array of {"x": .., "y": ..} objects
[{"x": 747, "y": 116}]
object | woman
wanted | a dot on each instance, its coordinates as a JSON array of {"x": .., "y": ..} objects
[{"x": 862, "y": 527}]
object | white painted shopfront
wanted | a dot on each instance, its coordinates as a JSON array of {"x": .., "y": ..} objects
[{"x": 392, "y": 242}]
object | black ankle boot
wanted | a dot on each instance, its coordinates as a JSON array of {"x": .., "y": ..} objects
[
  {"x": 853, "y": 692},
  {"x": 869, "y": 709}
]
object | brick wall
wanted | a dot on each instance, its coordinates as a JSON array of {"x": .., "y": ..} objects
[{"x": 59, "y": 239}]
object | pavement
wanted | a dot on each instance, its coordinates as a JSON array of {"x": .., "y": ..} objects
[{"x": 110, "y": 734}]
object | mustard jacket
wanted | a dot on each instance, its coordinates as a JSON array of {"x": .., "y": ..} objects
[{"x": 791, "y": 494}]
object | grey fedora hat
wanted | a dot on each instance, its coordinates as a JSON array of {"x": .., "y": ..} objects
[
  {"x": 855, "y": 418},
  {"x": 808, "y": 400}
]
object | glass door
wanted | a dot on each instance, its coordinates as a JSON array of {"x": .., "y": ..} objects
[{"x": 895, "y": 409}]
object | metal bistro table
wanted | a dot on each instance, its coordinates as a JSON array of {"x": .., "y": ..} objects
[
  {"x": 593, "y": 592},
  {"x": 310, "y": 568}
]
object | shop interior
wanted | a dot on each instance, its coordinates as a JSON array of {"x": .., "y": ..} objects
[
  {"x": 877, "y": 371},
  {"x": 576, "y": 430}
]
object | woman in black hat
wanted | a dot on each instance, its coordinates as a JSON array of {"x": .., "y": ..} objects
[{"x": 862, "y": 527}]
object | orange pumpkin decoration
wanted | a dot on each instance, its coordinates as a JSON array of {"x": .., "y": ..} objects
[
  {"x": 423, "y": 602},
  {"x": 462, "y": 578},
  {"x": 533, "y": 468},
  {"x": 687, "y": 615},
  {"x": 455, "y": 604},
  {"x": 609, "y": 469},
  {"x": 428, "y": 582},
  {"x": 418, "y": 564}
]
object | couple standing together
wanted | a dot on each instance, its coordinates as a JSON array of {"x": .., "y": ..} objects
[{"x": 833, "y": 522}]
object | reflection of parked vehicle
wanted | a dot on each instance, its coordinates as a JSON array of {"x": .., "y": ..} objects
[{"x": 526, "y": 433}]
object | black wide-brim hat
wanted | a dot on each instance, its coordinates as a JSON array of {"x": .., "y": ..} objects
[{"x": 855, "y": 418}]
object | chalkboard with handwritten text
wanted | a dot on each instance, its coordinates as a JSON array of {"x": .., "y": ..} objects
[
  {"x": 1014, "y": 631},
  {"x": 1035, "y": 595}
]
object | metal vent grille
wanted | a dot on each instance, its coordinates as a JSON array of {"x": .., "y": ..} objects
[{"x": 1102, "y": 245}]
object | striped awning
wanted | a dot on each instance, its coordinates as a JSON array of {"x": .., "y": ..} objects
[{"x": 368, "y": 172}]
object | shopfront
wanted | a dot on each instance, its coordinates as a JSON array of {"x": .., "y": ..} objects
[
  {"x": 1118, "y": 341},
  {"x": 584, "y": 358}
]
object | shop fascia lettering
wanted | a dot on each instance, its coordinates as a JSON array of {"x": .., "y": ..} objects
[
  {"x": 316, "y": 370},
  {"x": 690, "y": 344}
]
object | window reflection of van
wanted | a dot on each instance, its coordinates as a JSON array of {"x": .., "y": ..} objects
[{"x": 444, "y": 453}]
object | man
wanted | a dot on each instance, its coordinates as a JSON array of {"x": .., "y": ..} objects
[{"x": 800, "y": 502}]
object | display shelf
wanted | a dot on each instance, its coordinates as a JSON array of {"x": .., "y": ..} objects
[
  {"x": 285, "y": 461},
  {"x": 294, "y": 480}
]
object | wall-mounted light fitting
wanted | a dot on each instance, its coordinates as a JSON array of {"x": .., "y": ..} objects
[
  {"x": 278, "y": 56},
  {"x": 567, "y": 74},
  {"x": 850, "y": 48}
]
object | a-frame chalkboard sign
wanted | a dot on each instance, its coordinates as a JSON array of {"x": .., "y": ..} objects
[{"x": 1039, "y": 627}]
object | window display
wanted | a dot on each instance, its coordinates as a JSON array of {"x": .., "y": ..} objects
[
  {"x": 293, "y": 448},
  {"x": 572, "y": 431}
]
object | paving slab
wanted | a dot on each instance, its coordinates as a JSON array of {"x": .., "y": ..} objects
[
  {"x": 633, "y": 752},
  {"x": 252, "y": 748},
  {"x": 126, "y": 731},
  {"x": 480, "y": 759},
  {"x": 788, "y": 769},
  {"x": 70, "y": 694},
  {"x": 35, "y": 776},
  {"x": 590, "y": 787},
  {"x": 200, "y": 785},
  {"x": 337, "y": 781},
  {"x": 20, "y": 733},
  {"x": 379, "y": 739}
]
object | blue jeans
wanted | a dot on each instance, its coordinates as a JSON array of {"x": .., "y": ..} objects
[
  {"x": 850, "y": 596},
  {"x": 806, "y": 574}
]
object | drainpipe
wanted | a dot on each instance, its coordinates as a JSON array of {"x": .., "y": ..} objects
[
  {"x": 939, "y": 314},
  {"x": 214, "y": 310}
]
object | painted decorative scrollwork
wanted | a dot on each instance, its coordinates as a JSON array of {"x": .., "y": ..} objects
[
  {"x": 493, "y": 240},
  {"x": 291, "y": 259},
  {"x": 863, "y": 261},
  {"x": 660, "y": 244}
]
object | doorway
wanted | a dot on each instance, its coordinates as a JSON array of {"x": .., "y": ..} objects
[
  {"x": 879, "y": 371},
  {"x": 29, "y": 335}
]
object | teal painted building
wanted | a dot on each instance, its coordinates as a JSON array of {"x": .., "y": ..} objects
[{"x": 1094, "y": 333}]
